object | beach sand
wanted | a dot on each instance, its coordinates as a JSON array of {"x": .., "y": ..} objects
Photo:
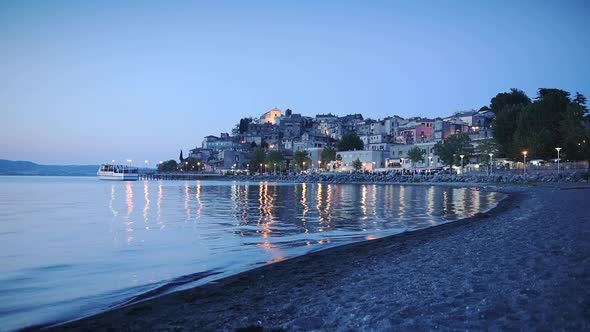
[{"x": 524, "y": 265}]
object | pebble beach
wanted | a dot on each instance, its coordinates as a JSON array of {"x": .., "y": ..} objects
[{"x": 523, "y": 265}]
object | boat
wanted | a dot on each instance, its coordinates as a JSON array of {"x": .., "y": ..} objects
[{"x": 117, "y": 172}]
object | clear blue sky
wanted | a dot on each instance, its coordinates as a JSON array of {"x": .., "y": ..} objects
[{"x": 89, "y": 81}]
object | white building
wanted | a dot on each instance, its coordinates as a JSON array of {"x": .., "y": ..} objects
[{"x": 371, "y": 159}]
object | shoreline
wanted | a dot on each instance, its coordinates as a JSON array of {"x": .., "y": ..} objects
[{"x": 242, "y": 300}]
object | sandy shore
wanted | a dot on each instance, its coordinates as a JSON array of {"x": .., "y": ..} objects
[{"x": 524, "y": 265}]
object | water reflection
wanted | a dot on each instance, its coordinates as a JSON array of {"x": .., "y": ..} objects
[
  {"x": 160, "y": 197},
  {"x": 112, "y": 200},
  {"x": 146, "y": 197},
  {"x": 128, "y": 218},
  {"x": 272, "y": 216}
]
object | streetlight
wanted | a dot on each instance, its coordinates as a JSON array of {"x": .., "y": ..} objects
[
  {"x": 462, "y": 155},
  {"x": 524, "y": 162},
  {"x": 198, "y": 166},
  {"x": 248, "y": 169},
  {"x": 558, "y": 149},
  {"x": 260, "y": 169},
  {"x": 373, "y": 167},
  {"x": 429, "y": 162},
  {"x": 304, "y": 165},
  {"x": 491, "y": 165},
  {"x": 275, "y": 168},
  {"x": 113, "y": 161},
  {"x": 146, "y": 163},
  {"x": 319, "y": 165}
]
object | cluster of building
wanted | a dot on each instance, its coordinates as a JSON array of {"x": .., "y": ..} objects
[{"x": 386, "y": 141}]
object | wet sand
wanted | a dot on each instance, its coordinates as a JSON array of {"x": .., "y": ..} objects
[{"x": 524, "y": 265}]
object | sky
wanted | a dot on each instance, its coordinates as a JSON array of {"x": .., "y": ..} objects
[{"x": 85, "y": 82}]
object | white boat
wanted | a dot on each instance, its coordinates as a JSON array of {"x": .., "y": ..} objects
[{"x": 117, "y": 172}]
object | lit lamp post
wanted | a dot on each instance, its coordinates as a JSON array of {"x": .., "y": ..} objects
[
  {"x": 319, "y": 165},
  {"x": 186, "y": 166},
  {"x": 491, "y": 165},
  {"x": 275, "y": 168},
  {"x": 462, "y": 155},
  {"x": 146, "y": 163},
  {"x": 248, "y": 169},
  {"x": 558, "y": 149},
  {"x": 524, "y": 153},
  {"x": 373, "y": 167},
  {"x": 429, "y": 163},
  {"x": 304, "y": 165},
  {"x": 260, "y": 169},
  {"x": 113, "y": 161},
  {"x": 198, "y": 166}
]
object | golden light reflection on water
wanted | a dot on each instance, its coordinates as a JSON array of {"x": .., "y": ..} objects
[
  {"x": 304, "y": 203},
  {"x": 402, "y": 203},
  {"x": 364, "y": 201},
  {"x": 373, "y": 203},
  {"x": 146, "y": 197},
  {"x": 159, "y": 210},
  {"x": 445, "y": 203},
  {"x": 268, "y": 212},
  {"x": 265, "y": 222},
  {"x": 475, "y": 203},
  {"x": 112, "y": 200},
  {"x": 459, "y": 199},
  {"x": 199, "y": 202},
  {"x": 187, "y": 200},
  {"x": 129, "y": 200}
]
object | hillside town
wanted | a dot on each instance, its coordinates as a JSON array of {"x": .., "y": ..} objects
[{"x": 385, "y": 142}]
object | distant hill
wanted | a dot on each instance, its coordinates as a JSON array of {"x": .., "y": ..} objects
[{"x": 9, "y": 167}]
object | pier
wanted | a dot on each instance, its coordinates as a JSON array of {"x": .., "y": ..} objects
[{"x": 150, "y": 175}]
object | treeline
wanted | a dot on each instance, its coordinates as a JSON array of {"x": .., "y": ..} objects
[{"x": 552, "y": 120}]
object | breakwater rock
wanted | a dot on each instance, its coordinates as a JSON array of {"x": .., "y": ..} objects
[{"x": 391, "y": 177}]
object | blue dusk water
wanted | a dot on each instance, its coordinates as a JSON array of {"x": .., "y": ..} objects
[{"x": 71, "y": 247}]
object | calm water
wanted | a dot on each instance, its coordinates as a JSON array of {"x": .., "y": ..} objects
[{"x": 74, "y": 246}]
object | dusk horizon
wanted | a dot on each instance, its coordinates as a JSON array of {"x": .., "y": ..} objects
[{"x": 87, "y": 83}]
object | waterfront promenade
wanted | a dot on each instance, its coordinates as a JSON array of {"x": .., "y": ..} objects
[{"x": 524, "y": 265}]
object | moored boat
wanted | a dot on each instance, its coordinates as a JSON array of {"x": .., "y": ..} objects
[{"x": 117, "y": 172}]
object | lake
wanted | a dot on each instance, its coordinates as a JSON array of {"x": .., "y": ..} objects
[{"x": 74, "y": 246}]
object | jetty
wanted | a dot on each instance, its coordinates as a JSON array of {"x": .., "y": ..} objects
[{"x": 150, "y": 175}]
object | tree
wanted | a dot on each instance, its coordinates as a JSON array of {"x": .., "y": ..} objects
[
  {"x": 505, "y": 100},
  {"x": 415, "y": 154},
  {"x": 193, "y": 164},
  {"x": 275, "y": 157},
  {"x": 243, "y": 126},
  {"x": 301, "y": 157},
  {"x": 580, "y": 99},
  {"x": 357, "y": 165},
  {"x": 537, "y": 128},
  {"x": 258, "y": 158},
  {"x": 180, "y": 157},
  {"x": 168, "y": 166},
  {"x": 328, "y": 155},
  {"x": 349, "y": 142},
  {"x": 575, "y": 139},
  {"x": 449, "y": 150},
  {"x": 507, "y": 107},
  {"x": 484, "y": 148}
]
